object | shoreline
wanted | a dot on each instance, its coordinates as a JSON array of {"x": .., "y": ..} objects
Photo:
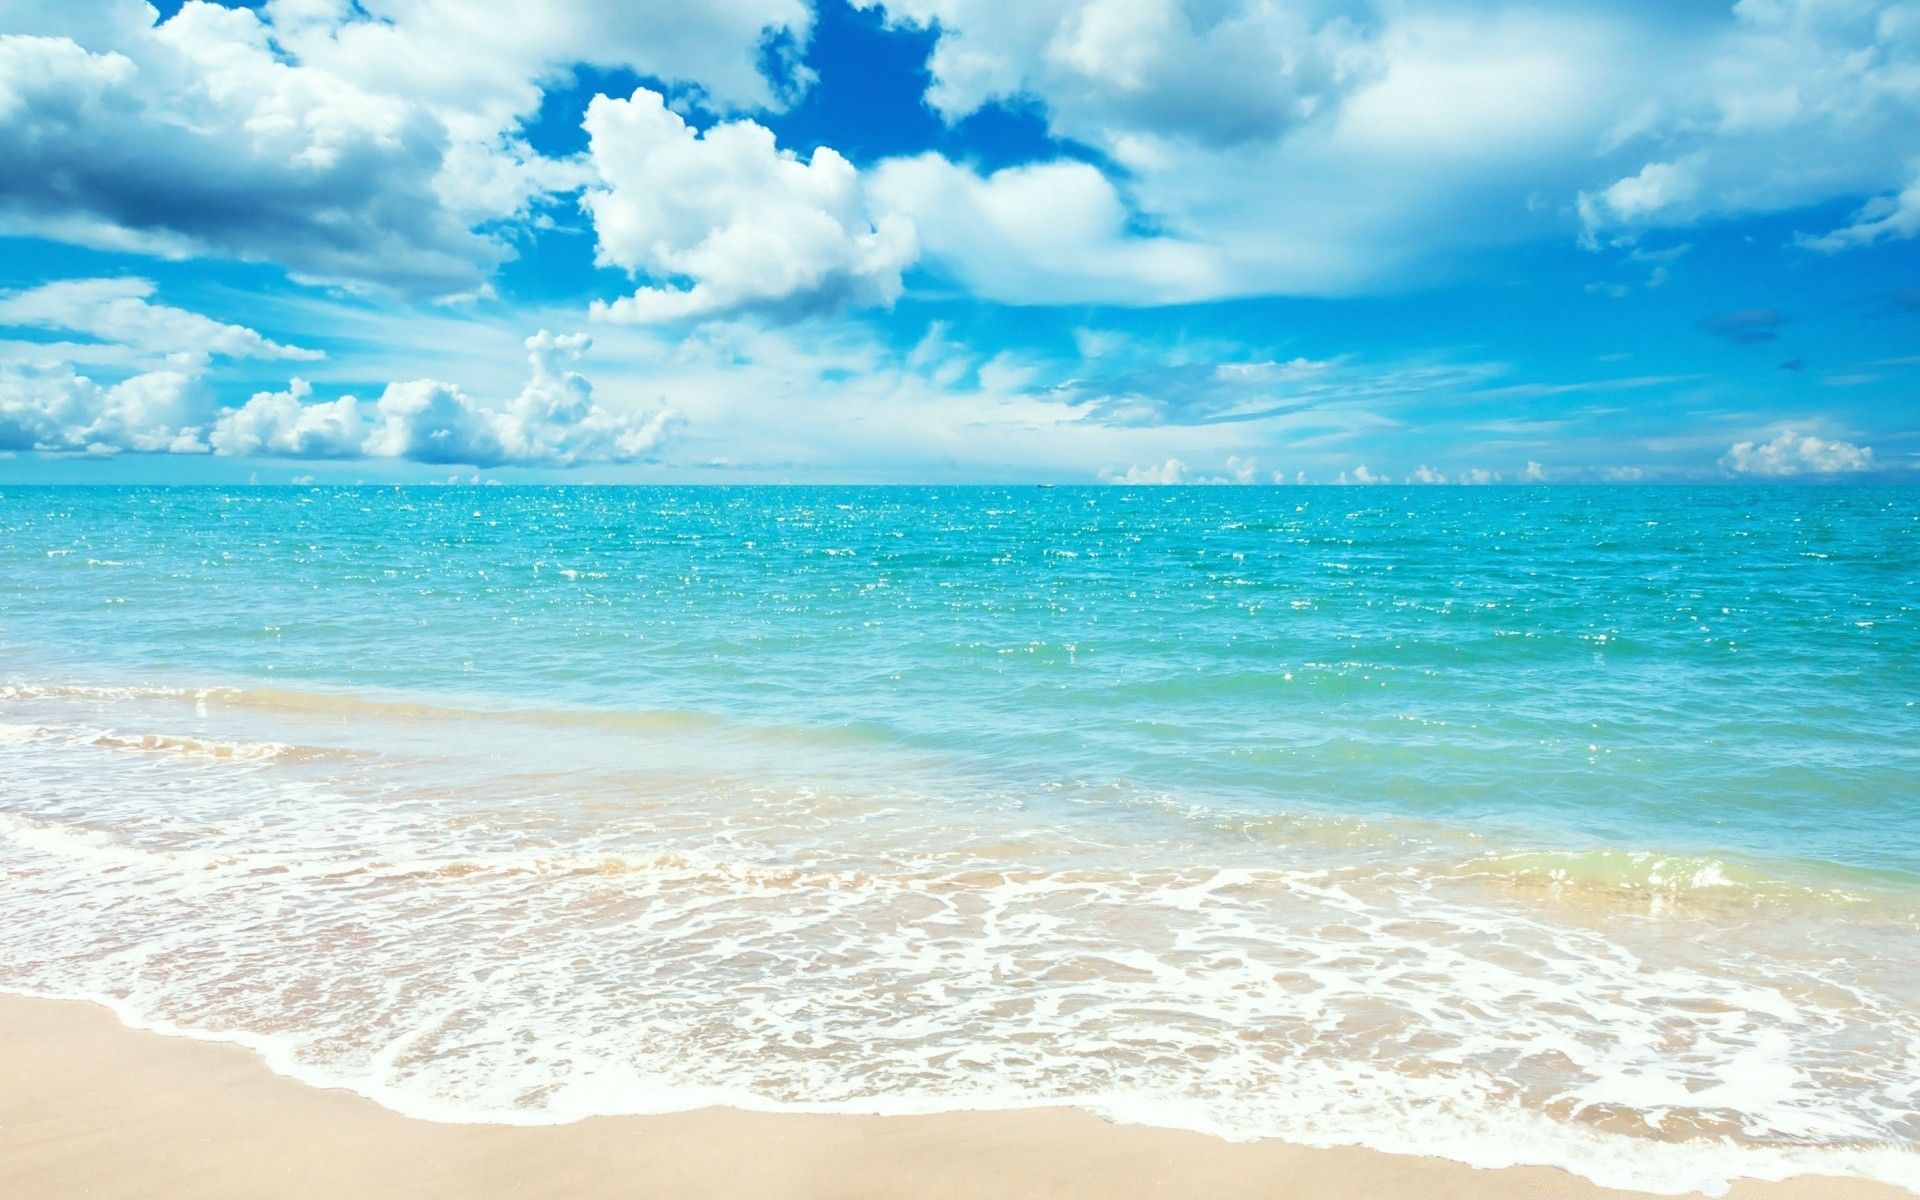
[{"x": 91, "y": 1107}]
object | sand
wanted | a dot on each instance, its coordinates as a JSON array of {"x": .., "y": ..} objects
[{"x": 91, "y": 1108}]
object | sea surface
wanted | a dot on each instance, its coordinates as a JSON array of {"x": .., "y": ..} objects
[{"x": 1550, "y": 825}]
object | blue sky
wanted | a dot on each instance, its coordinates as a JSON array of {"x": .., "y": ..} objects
[{"x": 953, "y": 240}]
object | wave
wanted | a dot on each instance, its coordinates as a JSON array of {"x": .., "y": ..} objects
[
  {"x": 110, "y": 692},
  {"x": 296, "y": 702},
  {"x": 175, "y": 745},
  {"x": 1659, "y": 882},
  {"x": 548, "y": 984}
]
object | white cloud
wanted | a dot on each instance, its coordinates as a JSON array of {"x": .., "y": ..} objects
[
  {"x": 1792, "y": 453},
  {"x": 1261, "y": 148},
  {"x": 1657, "y": 188},
  {"x": 553, "y": 422},
  {"x": 198, "y": 139},
  {"x": 1051, "y": 233},
  {"x": 120, "y": 311},
  {"x": 1793, "y": 103},
  {"x": 751, "y": 227},
  {"x": 1426, "y": 474},
  {"x": 55, "y": 409},
  {"x": 283, "y": 424},
  {"x": 1890, "y": 217},
  {"x": 1376, "y": 140},
  {"x": 1249, "y": 147},
  {"x": 1220, "y": 73},
  {"x": 486, "y": 59},
  {"x": 1360, "y": 474},
  {"x": 1170, "y": 471},
  {"x": 344, "y": 141},
  {"x": 1535, "y": 473}
]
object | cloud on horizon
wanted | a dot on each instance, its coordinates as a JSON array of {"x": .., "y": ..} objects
[{"x": 553, "y": 422}]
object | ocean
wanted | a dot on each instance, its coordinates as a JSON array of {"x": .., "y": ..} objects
[{"x": 1559, "y": 825}]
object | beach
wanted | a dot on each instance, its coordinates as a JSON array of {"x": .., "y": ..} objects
[
  {"x": 907, "y": 599},
  {"x": 1535, "y": 829},
  {"x": 89, "y": 1108}
]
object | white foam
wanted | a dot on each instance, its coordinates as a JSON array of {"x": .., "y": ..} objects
[{"x": 534, "y": 956}]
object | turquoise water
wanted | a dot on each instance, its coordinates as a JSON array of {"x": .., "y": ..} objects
[{"x": 1556, "y": 824}]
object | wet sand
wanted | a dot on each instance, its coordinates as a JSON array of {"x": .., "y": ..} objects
[{"x": 90, "y": 1108}]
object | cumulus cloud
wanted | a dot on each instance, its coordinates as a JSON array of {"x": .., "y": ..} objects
[
  {"x": 1219, "y": 73},
  {"x": 1323, "y": 148},
  {"x": 750, "y": 226},
  {"x": 120, "y": 311},
  {"x": 1793, "y": 453},
  {"x": 1047, "y": 233},
  {"x": 1170, "y": 471},
  {"x": 1792, "y": 103},
  {"x": 1244, "y": 147},
  {"x": 1254, "y": 148},
  {"x": 284, "y": 425},
  {"x": 56, "y": 409},
  {"x": 199, "y": 139},
  {"x": 486, "y": 60},
  {"x": 553, "y": 422},
  {"x": 362, "y": 142}
]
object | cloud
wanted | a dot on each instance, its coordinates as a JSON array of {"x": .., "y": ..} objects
[
  {"x": 752, "y": 227},
  {"x": 359, "y": 142},
  {"x": 1791, "y": 453},
  {"x": 1216, "y": 73},
  {"x": 55, "y": 409},
  {"x": 119, "y": 311},
  {"x": 1251, "y": 148},
  {"x": 1169, "y": 472},
  {"x": 1376, "y": 143},
  {"x": 1049, "y": 233},
  {"x": 1230, "y": 147},
  {"x": 1257, "y": 148},
  {"x": 486, "y": 60},
  {"x": 553, "y": 422},
  {"x": 200, "y": 140},
  {"x": 284, "y": 425},
  {"x": 1893, "y": 218},
  {"x": 1792, "y": 103},
  {"x": 1746, "y": 326},
  {"x": 1148, "y": 384}
]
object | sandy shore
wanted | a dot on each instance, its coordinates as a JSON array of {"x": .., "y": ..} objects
[{"x": 91, "y": 1108}]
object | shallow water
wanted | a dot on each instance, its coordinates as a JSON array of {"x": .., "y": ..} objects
[{"x": 1554, "y": 825}]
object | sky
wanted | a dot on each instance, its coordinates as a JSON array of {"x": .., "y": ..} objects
[{"x": 1070, "y": 241}]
